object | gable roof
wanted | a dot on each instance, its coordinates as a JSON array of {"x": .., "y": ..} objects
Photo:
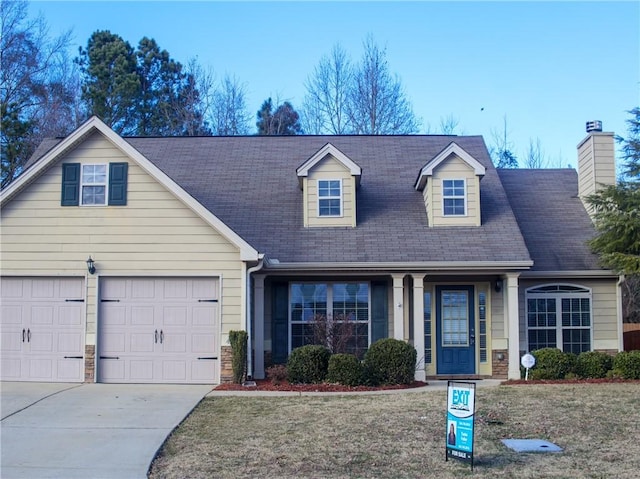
[
  {"x": 329, "y": 149},
  {"x": 451, "y": 149},
  {"x": 251, "y": 184},
  {"x": 54, "y": 154},
  {"x": 552, "y": 218}
]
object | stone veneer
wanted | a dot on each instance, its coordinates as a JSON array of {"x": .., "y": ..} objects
[
  {"x": 226, "y": 365},
  {"x": 500, "y": 367},
  {"x": 89, "y": 363}
]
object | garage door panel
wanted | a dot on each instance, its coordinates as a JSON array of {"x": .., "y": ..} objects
[
  {"x": 69, "y": 368},
  {"x": 41, "y": 369},
  {"x": 70, "y": 343},
  {"x": 141, "y": 342},
  {"x": 205, "y": 316},
  {"x": 70, "y": 315},
  {"x": 174, "y": 371},
  {"x": 142, "y": 315},
  {"x": 12, "y": 369},
  {"x": 42, "y": 289},
  {"x": 175, "y": 315},
  {"x": 42, "y": 342},
  {"x": 42, "y": 315},
  {"x": 153, "y": 327}
]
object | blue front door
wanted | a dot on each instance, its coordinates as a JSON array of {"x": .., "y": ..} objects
[{"x": 455, "y": 331}]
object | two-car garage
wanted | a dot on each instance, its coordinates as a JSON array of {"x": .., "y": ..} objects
[{"x": 149, "y": 330}]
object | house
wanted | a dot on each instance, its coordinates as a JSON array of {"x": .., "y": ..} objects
[{"x": 131, "y": 259}]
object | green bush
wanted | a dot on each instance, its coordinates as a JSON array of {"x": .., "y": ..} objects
[
  {"x": 308, "y": 364},
  {"x": 390, "y": 361},
  {"x": 238, "y": 341},
  {"x": 626, "y": 364},
  {"x": 593, "y": 364},
  {"x": 345, "y": 369},
  {"x": 551, "y": 363}
]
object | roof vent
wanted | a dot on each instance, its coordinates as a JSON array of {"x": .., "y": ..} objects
[{"x": 595, "y": 125}]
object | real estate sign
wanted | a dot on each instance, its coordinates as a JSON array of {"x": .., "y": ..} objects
[{"x": 461, "y": 398}]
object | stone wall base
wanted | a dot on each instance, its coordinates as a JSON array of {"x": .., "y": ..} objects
[
  {"x": 500, "y": 363},
  {"x": 89, "y": 363},
  {"x": 226, "y": 365}
]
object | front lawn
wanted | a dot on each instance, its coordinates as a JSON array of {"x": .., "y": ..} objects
[{"x": 403, "y": 435}]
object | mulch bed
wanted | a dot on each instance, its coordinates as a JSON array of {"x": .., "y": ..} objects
[{"x": 267, "y": 385}]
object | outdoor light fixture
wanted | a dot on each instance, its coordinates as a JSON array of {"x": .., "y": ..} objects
[
  {"x": 498, "y": 286},
  {"x": 91, "y": 267}
]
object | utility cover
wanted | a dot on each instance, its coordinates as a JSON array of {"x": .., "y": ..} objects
[{"x": 531, "y": 445}]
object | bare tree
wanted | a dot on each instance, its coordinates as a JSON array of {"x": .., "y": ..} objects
[
  {"x": 378, "y": 104},
  {"x": 501, "y": 150},
  {"x": 325, "y": 104},
  {"x": 228, "y": 113},
  {"x": 34, "y": 85},
  {"x": 448, "y": 125},
  {"x": 535, "y": 157}
]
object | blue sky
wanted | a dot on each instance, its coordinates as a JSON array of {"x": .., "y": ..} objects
[{"x": 548, "y": 67}]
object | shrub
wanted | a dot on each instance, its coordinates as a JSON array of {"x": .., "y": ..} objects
[
  {"x": 276, "y": 373},
  {"x": 238, "y": 341},
  {"x": 308, "y": 364},
  {"x": 593, "y": 364},
  {"x": 551, "y": 363},
  {"x": 390, "y": 361},
  {"x": 626, "y": 364},
  {"x": 345, "y": 369}
]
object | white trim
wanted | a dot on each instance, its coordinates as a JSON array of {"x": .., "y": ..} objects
[
  {"x": 328, "y": 149},
  {"x": 386, "y": 267},
  {"x": 247, "y": 252},
  {"x": 454, "y": 197},
  {"x": 340, "y": 197},
  {"x": 451, "y": 149},
  {"x": 585, "y": 292},
  {"x": 83, "y": 184}
]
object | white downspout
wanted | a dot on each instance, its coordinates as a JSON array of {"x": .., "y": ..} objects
[{"x": 250, "y": 271}]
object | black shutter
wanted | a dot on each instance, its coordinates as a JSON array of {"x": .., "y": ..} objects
[
  {"x": 118, "y": 184},
  {"x": 70, "y": 184},
  {"x": 379, "y": 311},
  {"x": 280, "y": 323}
]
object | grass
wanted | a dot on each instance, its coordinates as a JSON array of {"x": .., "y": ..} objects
[{"x": 403, "y": 435}]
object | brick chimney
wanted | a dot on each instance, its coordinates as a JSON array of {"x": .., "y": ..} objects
[{"x": 596, "y": 161}]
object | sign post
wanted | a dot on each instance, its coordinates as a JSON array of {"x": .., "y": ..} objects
[
  {"x": 528, "y": 361},
  {"x": 461, "y": 408}
]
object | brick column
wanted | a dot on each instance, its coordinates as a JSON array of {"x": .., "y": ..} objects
[{"x": 89, "y": 363}]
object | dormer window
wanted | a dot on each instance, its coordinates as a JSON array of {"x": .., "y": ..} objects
[
  {"x": 329, "y": 197},
  {"x": 453, "y": 198}
]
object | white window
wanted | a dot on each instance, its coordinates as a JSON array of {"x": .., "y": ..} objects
[
  {"x": 559, "y": 316},
  {"x": 329, "y": 197},
  {"x": 454, "y": 198},
  {"x": 94, "y": 185}
]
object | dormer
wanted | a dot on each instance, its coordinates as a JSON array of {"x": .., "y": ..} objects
[
  {"x": 450, "y": 186},
  {"x": 328, "y": 181}
]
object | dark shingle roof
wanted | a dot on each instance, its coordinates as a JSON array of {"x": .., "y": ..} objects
[
  {"x": 250, "y": 183},
  {"x": 552, "y": 218}
]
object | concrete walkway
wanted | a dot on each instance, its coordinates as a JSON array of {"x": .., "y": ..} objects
[{"x": 97, "y": 431}]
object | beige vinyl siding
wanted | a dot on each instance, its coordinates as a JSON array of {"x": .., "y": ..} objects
[
  {"x": 499, "y": 336},
  {"x": 329, "y": 169},
  {"x": 155, "y": 234},
  {"x": 454, "y": 169},
  {"x": 603, "y": 307},
  {"x": 596, "y": 163}
]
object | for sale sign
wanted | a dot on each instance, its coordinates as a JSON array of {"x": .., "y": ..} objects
[{"x": 460, "y": 420}]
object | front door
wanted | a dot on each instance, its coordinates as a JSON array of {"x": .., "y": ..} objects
[{"x": 455, "y": 331}]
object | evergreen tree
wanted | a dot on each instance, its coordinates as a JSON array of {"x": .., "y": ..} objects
[
  {"x": 617, "y": 209},
  {"x": 283, "y": 121}
]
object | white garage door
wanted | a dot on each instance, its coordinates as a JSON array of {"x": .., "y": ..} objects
[
  {"x": 158, "y": 330},
  {"x": 42, "y": 329}
]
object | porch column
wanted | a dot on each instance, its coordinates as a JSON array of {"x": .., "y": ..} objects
[
  {"x": 258, "y": 326},
  {"x": 418, "y": 324},
  {"x": 512, "y": 324},
  {"x": 398, "y": 307}
]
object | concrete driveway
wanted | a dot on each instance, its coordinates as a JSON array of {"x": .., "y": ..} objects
[{"x": 99, "y": 431}]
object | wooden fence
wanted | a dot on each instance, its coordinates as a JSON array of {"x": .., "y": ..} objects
[{"x": 631, "y": 336}]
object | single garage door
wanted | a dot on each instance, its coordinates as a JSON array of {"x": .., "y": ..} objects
[
  {"x": 42, "y": 329},
  {"x": 158, "y": 330}
]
